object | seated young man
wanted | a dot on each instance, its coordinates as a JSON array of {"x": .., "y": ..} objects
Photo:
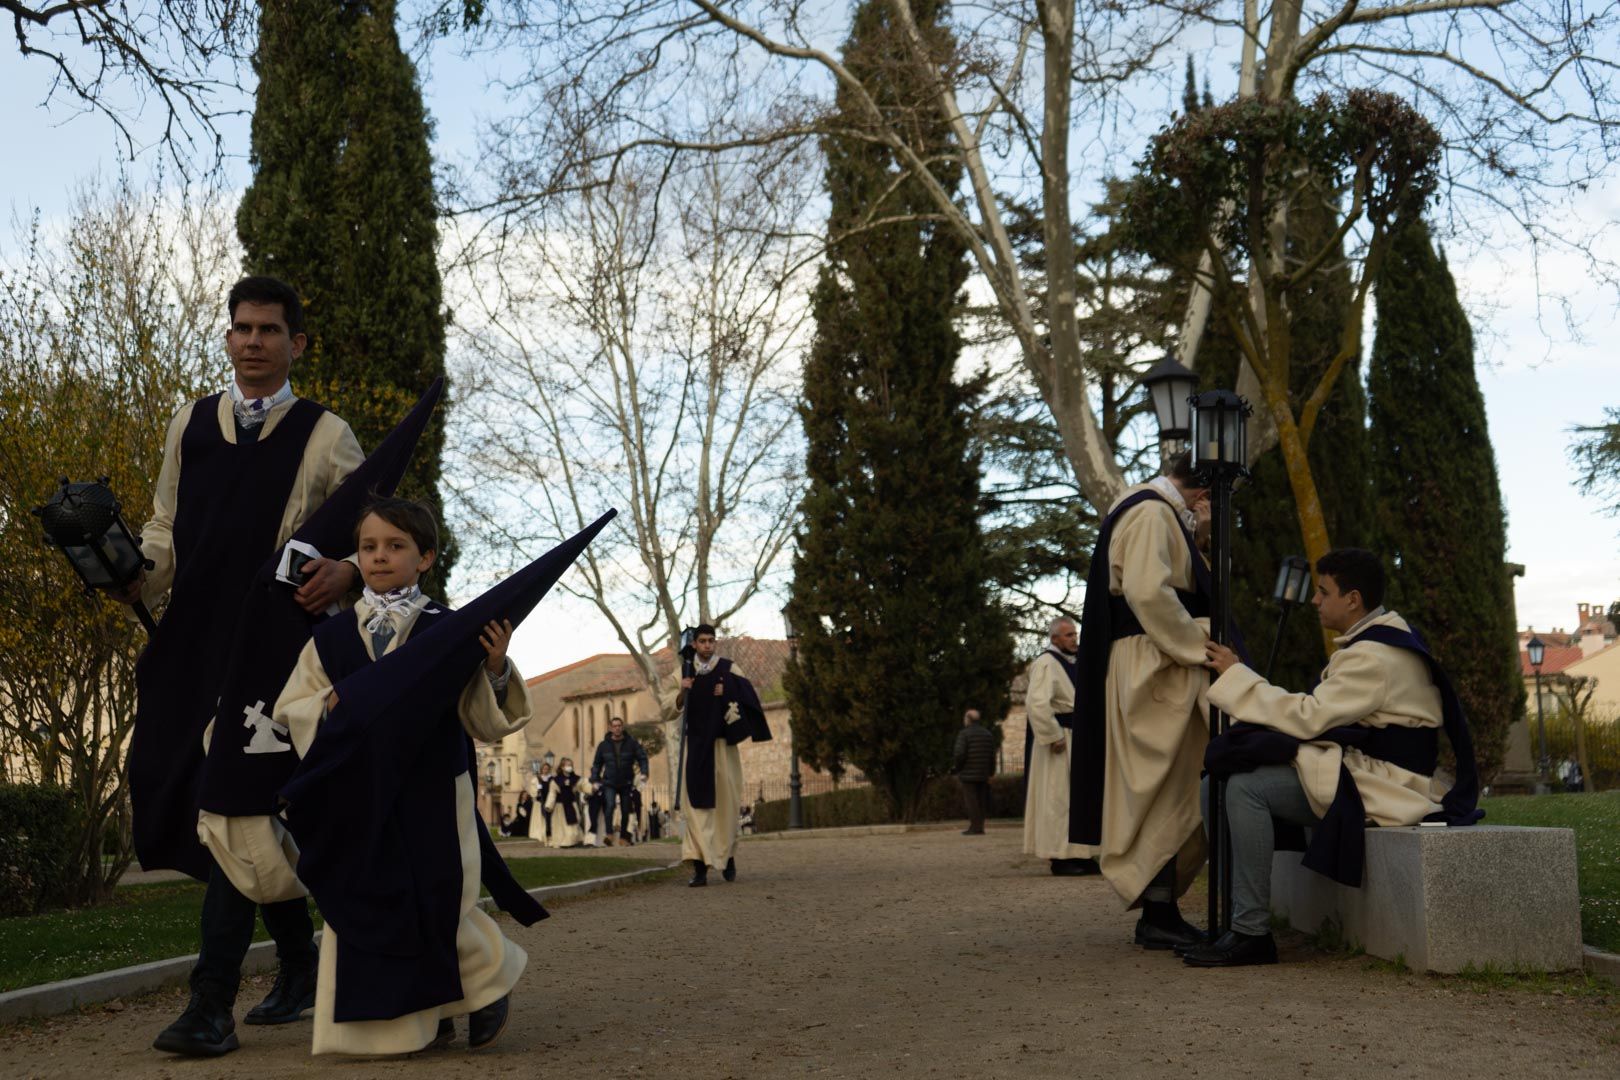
[{"x": 1361, "y": 747}]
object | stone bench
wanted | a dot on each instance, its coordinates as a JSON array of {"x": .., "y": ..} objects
[{"x": 1448, "y": 899}]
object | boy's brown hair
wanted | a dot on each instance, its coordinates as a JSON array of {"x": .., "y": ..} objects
[{"x": 412, "y": 518}]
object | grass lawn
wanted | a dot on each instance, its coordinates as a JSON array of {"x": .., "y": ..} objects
[
  {"x": 1596, "y": 821},
  {"x": 155, "y": 922}
]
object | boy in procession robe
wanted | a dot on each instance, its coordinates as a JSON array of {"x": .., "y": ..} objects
[
  {"x": 565, "y": 807},
  {"x": 1360, "y": 747},
  {"x": 722, "y": 710},
  {"x": 242, "y": 470},
  {"x": 540, "y": 819},
  {"x": 1142, "y": 721},
  {"x": 397, "y": 541},
  {"x": 1054, "y": 677}
]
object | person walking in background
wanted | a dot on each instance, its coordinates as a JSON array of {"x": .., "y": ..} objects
[
  {"x": 620, "y": 764},
  {"x": 540, "y": 818},
  {"x": 973, "y": 763},
  {"x": 1049, "y": 749}
]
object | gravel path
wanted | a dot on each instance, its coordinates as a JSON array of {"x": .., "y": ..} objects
[{"x": 921, "y": 954}]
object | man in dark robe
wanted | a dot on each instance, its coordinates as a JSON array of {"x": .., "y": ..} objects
[{"x": 241, "y": 471}]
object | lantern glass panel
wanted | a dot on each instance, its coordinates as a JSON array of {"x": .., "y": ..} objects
[
  {"x": 1537, "y": 650},
  {"x": 1293, "y": 581},
  {"x": 89, "y": 565}
]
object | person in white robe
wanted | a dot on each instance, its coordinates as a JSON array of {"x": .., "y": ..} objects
[
  {"x": 567, "y": 792},
  {"x": 1049, "y": 712}
]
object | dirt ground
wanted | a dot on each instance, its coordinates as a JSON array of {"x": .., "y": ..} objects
[{"x": 913, "y": 955}]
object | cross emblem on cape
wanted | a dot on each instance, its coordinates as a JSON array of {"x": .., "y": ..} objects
[{"x": 267, "y": 734}]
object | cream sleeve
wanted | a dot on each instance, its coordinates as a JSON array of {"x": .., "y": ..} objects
[
  {"x": 487, "y": 719},
  {"x": 1354, "y": 687},
  {"x": 1038, "y": 702},
  {"x": 302, "y": 703},
  {"x": 157, "y": 535},
  {"x": 1146, "y": 551}
]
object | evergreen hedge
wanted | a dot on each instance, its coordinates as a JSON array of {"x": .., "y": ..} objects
[
  {"x": 38, "y": 823},
  {"x": 941, "y": 800}
]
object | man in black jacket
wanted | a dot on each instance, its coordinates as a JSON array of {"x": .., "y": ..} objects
[
  {"x": 618, "y": 758},
  {"x": 973, "y": 763}
]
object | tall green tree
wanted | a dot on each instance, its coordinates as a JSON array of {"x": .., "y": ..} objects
[
  {"x": 1440, "y": 513},
  {"x": 342, "y": 206},
  {"x": 899, "y": 631}
]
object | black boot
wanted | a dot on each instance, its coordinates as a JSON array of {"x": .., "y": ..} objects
[
  {"x": 730, "y": 872},
  {"x": 444, "y": 1036},
  {"x": 1162, "y": 927},
  {"x": 1233, "y": 949},
  {"x": 1075, "y": 867},
  {"x": 288, "y": 1000},
  {"x": 205, "y": 1029},
  {"x": 485, "y": 1025},
  {"x": 700, "y": 873}
]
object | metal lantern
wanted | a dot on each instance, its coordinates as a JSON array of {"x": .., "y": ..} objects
[
  {"x": 1170, "y": 388},
  {"x": 1537, "y": 650},
  {"x": 1293, "y": 581},
  {"x": 787, "y": 626},
  {"x": 551, "y": 759},
  {"x": 84, "y": 520},
  {"x": 1220, "y": 432}
]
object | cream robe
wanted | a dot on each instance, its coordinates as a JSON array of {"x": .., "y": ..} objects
[
  {"x": 537, "y": 819},
  {"x": 710, "y": 836},
  {"x": 564, "y": 835},
  {"x": 255, "y": 851},
  {"x": 490, "y": 964},
  {"x": 1157, "y": 724},
  {"x": 1046, "y": 795},
  {"x": 1368, "y": 683}
]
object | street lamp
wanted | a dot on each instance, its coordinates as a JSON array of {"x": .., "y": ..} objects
[
  {"x": 795, "y": 784},
  {"x": 1293, "y": 582},
  {"x": 84, "y": 520},
  {"x": 1170, "y": 388},
  {"x": 1538, "y": 653},
  {"x": 1220, "y": 457},
  {"x": 551, "y": 759}
]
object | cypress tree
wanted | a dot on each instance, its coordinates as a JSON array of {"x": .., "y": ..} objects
[
  {"x": 898, "y": 631},
  {"x": 342, "y": 206},
  {"x": 1431, "y": 457}
]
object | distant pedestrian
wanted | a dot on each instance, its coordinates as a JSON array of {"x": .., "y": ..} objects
[
  {"x": 620, "y": 766},
  {"x": 973, "y": 763},
  {"x": 1049, "y": 746}
]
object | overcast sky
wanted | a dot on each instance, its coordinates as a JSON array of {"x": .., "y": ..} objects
[{"x": 1537, "y": 379}]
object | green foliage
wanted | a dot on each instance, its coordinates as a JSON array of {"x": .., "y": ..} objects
[
  {"x": 1596, "y": 455},
  {"x": 38, "y": 827},
  {"x": 342, "y": 206},
  {"x": 1440, "y": 515},
  {"x": 898, "y": 631},
  {"x": 650, "y": 734},
  {"x": 941, "y": 800},
  {"x": 1596, "y": 821}
]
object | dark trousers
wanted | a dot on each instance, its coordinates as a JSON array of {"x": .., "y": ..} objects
[
  {"x": 976, "y": 797},
  {"x": 227, "y": 931},
  {"x": 610, "y": 796}
]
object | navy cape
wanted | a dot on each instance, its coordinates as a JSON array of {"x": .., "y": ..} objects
[
  {"x": 706, "y": 722},
  {"x": 383, "y": 764},
  {"x": 250, "y": 757}
]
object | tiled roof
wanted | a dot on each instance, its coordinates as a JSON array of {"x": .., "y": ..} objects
[
  {"x": 620, "y": 682},
  {"x": 1557, "y": 658}
]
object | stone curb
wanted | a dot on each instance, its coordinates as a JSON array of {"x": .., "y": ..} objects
[
  {"x": 873, "y": 830},
  {"x": 1602, "y": 964},
  {"x": 49, "y": 999}
]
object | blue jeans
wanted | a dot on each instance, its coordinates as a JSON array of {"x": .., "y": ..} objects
[
  {"x": 610, "y": 795},
  {"x": 1253, "y": 800}
]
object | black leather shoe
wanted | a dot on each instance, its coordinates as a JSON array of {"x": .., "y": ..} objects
[
  {"x": 972, "y": 832},
  {"x": 485, "y": 1025},
  {"x": 730, "y": 872},
  {"x": 288, "y": 1000},
  {"x": 205, "y": 1029},
  {"x": 1233, "y": 949},
  {"x": 1075, "y": 867},
  {"x": 1167, "y": 937},
  {"x": 700, "y": 874},
  {"x": 1183, "y": 950},
  {"x": 444, "y": 1036}
]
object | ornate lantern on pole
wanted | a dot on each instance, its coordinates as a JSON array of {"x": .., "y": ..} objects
[
  {"x": 1293, "y": 582},
  {"x": 1220, "y": 455},
  {"x": 1170, "y": 388},
  {"x": 795, "y": 784},
  {"x": 1538, "y": 653},
  {"x": 85, "y": 521}
]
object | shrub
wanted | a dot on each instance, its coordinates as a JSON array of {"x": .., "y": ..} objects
[
  {"x": 37, "y": 825},
  {"x": 941, "y": 801}
]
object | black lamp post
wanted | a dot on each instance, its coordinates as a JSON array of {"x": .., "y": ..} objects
[
  {"x": 1293, "y": 582},
  {"x": 1220, "y": 455},
  {"x": 1538, "y": 653},
  {"x": 795, "y": 784},
  {"x": 84, "y": 520}
]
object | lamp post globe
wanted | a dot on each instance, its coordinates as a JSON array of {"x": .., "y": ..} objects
[{"x": 1170, "y": 388}]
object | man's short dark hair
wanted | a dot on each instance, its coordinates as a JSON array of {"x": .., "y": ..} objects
[
  {"x": 1355, "y": 569},
  {"x": 704, "y": 628},
  {"x": 1181, "y": 470},
  {"x": 261, "y": 289},
  {"x": 412, "y": 518}
]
